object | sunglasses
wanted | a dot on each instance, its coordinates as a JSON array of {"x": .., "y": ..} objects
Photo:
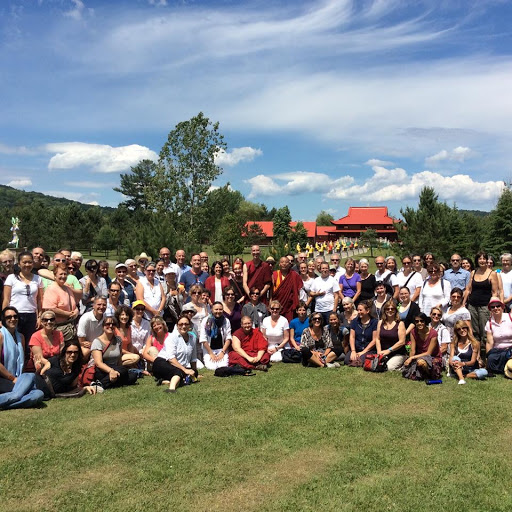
[
  {"x": 58, "y": 260},
  {"x": 495, "y": 306},
  {"x": 11, "y": 317},
  {"x": 93, "y": 267},
  {"x": 195, "y": 293},
  {"x": 139, "y": 309},
  {"x": 150, "y": 271},
  {"x": 72, "y": 352},
  {"x": 230, "y": 294},
  {"x": 254, "y": 293},
  {"x": 49, "y": 320},
  {"x": 419, "y": 321},
  {"x": 183, "y": 325},
  {"x": 435, "y": 314},
  {"x": 108, "y": 324},
  {"x": 462, "y": 329},
  {"x": 317, "y": 319}
]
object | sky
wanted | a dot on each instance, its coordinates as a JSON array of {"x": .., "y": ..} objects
[{"x": 323, "y": 104}]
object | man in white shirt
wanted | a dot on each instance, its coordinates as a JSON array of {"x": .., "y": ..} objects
[
  {"x": 335, "y": 262},
  {"x": 90, "y": 325},
  {"x": 326, "y": 291},
  {"x": 386, "y": 276}
]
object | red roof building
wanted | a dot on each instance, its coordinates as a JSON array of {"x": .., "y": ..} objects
[
  {"x": 361, "y": 218},
  {"x": 267, "y": 227}
]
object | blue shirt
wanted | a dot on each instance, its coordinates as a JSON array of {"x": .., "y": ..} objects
[
  {"x": 363, "y": 336},
  {"x": 458, "y": 279},
  {"x": 298, "y": 327},
  {"x": 189, "y": 278}
]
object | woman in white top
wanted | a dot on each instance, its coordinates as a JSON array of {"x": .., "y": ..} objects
[
  {"x": 443, "y": 334},
  {"x": 435, "y": 290},
  {"x": 276, "y": 330},
  {"x": 215, "y": 338},
  {"x": 307, "y": 281},
  {"x": 505, "y": 277},
  {"x": 24, "y": 291},
  {"x": 410, "y": 278},
  {"x": 455, "y": 311},
  {"x": 150, "y": 290}
]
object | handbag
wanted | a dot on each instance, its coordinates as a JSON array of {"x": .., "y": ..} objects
[
  {"x": 290, "y": 355},
  {"x": 375, "y": 363}
]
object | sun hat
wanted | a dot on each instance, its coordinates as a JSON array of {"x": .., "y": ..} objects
[
  {"x": 495, "y": 300},
  {"x": 138, "y": 303},
  {"x": 188, "y": 307},
  {"x": 120, "y": 265},
  {"x": 142, "y": 256}
]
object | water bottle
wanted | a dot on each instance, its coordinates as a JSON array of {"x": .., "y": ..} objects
[{"x": 434, "y": 381}]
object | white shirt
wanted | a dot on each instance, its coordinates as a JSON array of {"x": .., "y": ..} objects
[
  {"x": 413, "y": 280},
  {"x": 176, "y": 347},
  {"x": 506, "y": 279},
  {"x": 275, "y": 334},
  {"x": 329, "y": 285},
  {"x": 23, "y": 295},
  {"x": 431, "y": 296},
  {"x": 140, "y": 334},
  {"x": 89, "y": 327},
  {"x": 381, "y": 276}
]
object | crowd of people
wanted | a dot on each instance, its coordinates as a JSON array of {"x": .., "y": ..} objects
[{"x": 65, "y": 333}]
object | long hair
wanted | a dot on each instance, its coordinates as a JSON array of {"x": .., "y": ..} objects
[
  {"x": 388, "y": 303},
  {"x": 462, "y": 323},
  {"x": 78, "y": 363}
]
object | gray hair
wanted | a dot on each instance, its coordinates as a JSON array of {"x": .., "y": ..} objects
[
  {"x": 506, "y": 255},
  {"x": 363, "y": 260}
]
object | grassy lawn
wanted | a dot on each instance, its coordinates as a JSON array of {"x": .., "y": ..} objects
[{"x": 291, "y": 439}]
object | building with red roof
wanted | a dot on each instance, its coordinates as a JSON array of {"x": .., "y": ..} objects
[{"x": 361, "y": 218}]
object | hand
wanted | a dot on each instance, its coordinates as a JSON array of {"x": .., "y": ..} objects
[
  {"x": 408, "y": 361},
  {"x": 190, "y": 372},
  {"x": 86, "y": 344},
  {"x": 252, "y": 360},
  {"x": 91, "y": 390},
  {"x": 354, "y": 356},
  {"x": 272, "y": 350},
  {"x": 113, "y": 375},
  {"x": 389, "y": 351}
]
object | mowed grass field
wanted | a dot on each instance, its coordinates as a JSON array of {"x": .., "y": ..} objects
[{"x": 289, "y": 439}]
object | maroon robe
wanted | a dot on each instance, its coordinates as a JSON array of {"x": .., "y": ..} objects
[
  {"x": 251, "y": 343},
  {"x": 286, "y": 291},
  {"x": 259, "y": 276}
]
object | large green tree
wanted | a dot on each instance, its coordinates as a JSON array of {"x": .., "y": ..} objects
[
  {"x": 498, "y": 239},
  {"x": 298, "y": 235},
  {"x": 282, "y": 230},
  {"x": 186, "y": 172},
  {"x": 324, "y": 218},
  {"x": 229, "y": 239}
]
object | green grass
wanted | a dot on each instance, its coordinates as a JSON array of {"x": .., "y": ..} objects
[{"x": 291, "y": 439}]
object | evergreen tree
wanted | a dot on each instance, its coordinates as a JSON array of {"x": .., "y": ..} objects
[
  {"x": 324, "y": 218},
  {"x": 298, "y": 235},
  {"x": 282, "y": 230},
  {"x": 136, "y": 185},
  {"x": 229, "y": 239},
  {"x": 498, "y": 239}
]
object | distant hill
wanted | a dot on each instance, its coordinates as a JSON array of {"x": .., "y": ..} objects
[
  {"x": 10, "y": 197},
  {"x": 476, "y": 213}
]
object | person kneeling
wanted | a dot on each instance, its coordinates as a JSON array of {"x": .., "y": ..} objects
[
  {"x": 250, "y": 348},
  {"x": 176, "y": 362}
]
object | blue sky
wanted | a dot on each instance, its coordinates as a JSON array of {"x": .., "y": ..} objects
[{"x": 323, "y": 104}]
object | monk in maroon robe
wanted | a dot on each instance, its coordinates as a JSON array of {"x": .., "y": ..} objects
[
  {"x": 286, "y": 287},
  {"x": 249, "y": 347},
  {"x": 257, "y": 273}
]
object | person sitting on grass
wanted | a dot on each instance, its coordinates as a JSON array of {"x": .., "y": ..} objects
[
  {"x": 424, "y": 361},
  {"x": 63, "y": 370},
  {"x": 255, "y": 308},
  {"x": 250, "y": 348},
  {"x": 17, "y": 389},
  {"x": 276, "y": 330},
  {"x": 337, "y": 335},
  {"x": 298, "y": 324},
  {"x": 215, "y": 338},
  {"x": 106, "y": 351},
  {"x": 499, "y": 336},
  {"x": 464, "y": 352},
  {"x": 124, "y": 317},
  {"x": 315, "y": 344},
  {"x": 363, "y": 331},
  {"x": 176, "y": 362},
  {"x": 390, "y": 340},
  {"x": 155, "y": 341}
]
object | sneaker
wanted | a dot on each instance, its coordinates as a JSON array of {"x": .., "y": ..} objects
[
  {"x": 330, "y": 365},
  {"x": 336, "y": 364},
  {"x": 97, "y": 386},
  {"x": 261, "y": 367},
  {"x": 462, "y": 381}
]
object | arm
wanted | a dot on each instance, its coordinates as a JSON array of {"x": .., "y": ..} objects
[
  {"x": 416, "y": 294},
  {"x": 495, "y": 284},
  {"x": 500, "y": 287},
  {"x": 469, "y": 289},
  {"x": 244, "y": 278},
  {"x": 187, "y": 371},
  {"x": 7, "y": 296},
  {"x": 162, "y": 301},
  {"x": 352, "y": 343},
  {"x": 401, "y": 339},
  {"x": 358, "y": 291},
  {"x": 490, "y": 342},
  {"x": 4, "y": 373},
  {"x": 377, "y": 338},
  {"x": 396, "y": 289},
  {"x": 39, "y": 301},
  {"x": 145, "y": 352},
  {"x": 286, "y": 339}
]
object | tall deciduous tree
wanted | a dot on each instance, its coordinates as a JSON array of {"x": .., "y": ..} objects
[
  {"x": 136, "y": 185},
  {"x": 186, "y": 171},
  {"x": 324, "y": 218},
  {"x": 229, "y": 239}
]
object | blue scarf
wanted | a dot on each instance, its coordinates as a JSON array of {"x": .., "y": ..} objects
[
  {"x": 14, "y": 357},
  {"x": 212, "y": 325}
]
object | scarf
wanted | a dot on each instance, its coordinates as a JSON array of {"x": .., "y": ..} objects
[
  {"x": 13, "y": 352},
  {"x": 213, "y": 324}
]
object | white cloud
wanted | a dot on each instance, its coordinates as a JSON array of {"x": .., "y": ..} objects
[
  {"x": 78, "y": 10},
  {"x": 237, "y": 155},
  {"x": 89, "y": 184},
  {"x": 16, "y": 150},
  {"x": 458, "y": 154},
  {"x": 384, "y": 185},
  {"x": 158, "y": 3},
  {"x": 99, "y": 157},
  {"x": 295, "y": 183},
  {"x": 20, "y": 183},
  {"x": 376, "y": 161}
]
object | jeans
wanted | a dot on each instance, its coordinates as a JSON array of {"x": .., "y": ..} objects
[{"x": 24, "y": 394}]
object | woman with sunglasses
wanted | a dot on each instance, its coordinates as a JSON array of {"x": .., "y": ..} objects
[
  {"x": 17, "y": 389},
  {"x": 232, "y": 309},
  {"x": 276, "y": 330},
  {"x": 44, "y": 343},
  {"x": 63, "y": 370},
  {"x": 363, "y": 333},
  {"x": 435, "y": 290},
  {"x": 315, "y": 343},
  {"x": 150, "y": 290},
  {"x": 24, "y": 291},
  {"x": 499, "y": 336},
  {"x": 464, "y": 354},
  {"x": 216, "y": 282},
  {"x": 177, "y": 359},
  {"x": 390, "y": 339},
  {"x": 410, "y": 278},
  {"x": 124, "y": 316},
  {"x": 106, "y": 351},
  {"x": 93, "y": 284},
  {"x": 60, "y": 299},
  {"x": 443, "y": 334},
  {"x": 255, "y": 309},
  {"x": 155, "y": 341},
  {"x": 140, "y": 327},
  {"x": 455, "y": 311},
  {"x": 424, "y": 361}
]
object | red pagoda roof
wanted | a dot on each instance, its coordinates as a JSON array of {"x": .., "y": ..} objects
[{"x": 366, "y": 215}]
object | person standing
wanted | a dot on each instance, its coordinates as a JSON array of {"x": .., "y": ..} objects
[
  {"x": 257, "y": 274},
  {"x": 325, "y": 290},
  {"x": 286, "y": 287},
  {"x": 457, "y": 276}
]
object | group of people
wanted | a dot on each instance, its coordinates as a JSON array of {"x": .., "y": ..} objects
[{"x": 66, "y": 333}]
